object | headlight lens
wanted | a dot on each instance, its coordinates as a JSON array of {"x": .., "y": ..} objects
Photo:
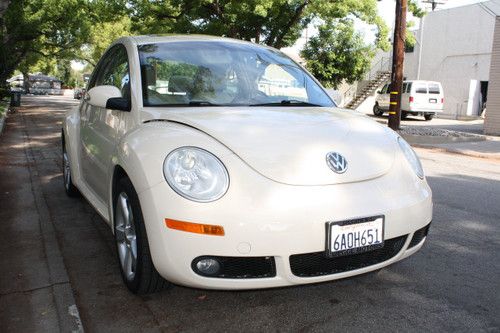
[
  {"x": 196, "y": 174},
  {"x": 411, "y": 157}
]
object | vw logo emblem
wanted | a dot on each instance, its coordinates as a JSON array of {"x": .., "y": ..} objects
[{"x": 336, "y": 162}]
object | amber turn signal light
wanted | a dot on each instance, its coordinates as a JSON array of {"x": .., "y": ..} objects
[{"x": 197, "y": 228}]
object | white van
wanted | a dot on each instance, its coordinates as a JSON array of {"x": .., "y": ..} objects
[{"x": 418, "y": 98}]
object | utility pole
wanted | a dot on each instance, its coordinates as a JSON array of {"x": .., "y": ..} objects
[{"x": 398, "y": 55}]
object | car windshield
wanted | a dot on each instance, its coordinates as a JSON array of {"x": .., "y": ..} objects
[{"x": 215, "y": 73}]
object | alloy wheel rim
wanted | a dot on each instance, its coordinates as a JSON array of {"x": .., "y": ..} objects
[
  {"x": 126, "y": 238},
  {"x": 66, "y": 170}
]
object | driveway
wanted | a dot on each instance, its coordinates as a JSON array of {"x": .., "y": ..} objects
[{"x": 58, "y": 258}]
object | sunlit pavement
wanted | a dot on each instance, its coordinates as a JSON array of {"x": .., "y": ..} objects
[
  {"x": 51, "y": 244},
  {"x": 467, "y": 126}
]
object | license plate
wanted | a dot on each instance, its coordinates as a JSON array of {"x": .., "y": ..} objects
[
  {"x": 354, "y": 236},
  {"x": 433, "y": 100}
]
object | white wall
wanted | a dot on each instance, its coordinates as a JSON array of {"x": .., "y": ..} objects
[{"x": 456, "y": 49}]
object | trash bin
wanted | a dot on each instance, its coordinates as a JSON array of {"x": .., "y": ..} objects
[{"x": 15, "y": 99}]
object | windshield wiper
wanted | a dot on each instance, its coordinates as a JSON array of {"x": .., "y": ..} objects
[
  {"x": 286, "y": 102},
  {"x": 202, "y": 103}
]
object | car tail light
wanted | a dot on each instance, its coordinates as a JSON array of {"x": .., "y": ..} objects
[
  {"x": 442, "y": 100},
  {"x": 411, "y": 99}
]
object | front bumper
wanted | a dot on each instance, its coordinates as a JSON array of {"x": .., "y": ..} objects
[
  {"x": 263, "y": 218},
  {"x": 423, "y": 110}
]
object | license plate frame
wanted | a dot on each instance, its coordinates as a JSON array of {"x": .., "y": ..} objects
[
  {"x": 433, "y": 100},
  {"x": 330, "y": 252}
]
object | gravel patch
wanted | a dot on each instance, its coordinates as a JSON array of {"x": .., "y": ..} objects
[{"x": 436, "y": 132}]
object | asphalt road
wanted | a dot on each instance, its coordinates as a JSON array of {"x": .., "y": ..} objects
[{"x": 56, "y": 253}]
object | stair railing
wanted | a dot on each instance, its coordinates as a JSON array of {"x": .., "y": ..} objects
[{"x": 383, "y": 65}]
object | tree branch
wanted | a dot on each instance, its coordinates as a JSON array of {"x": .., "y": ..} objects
[{"x": 278, "y": 43}]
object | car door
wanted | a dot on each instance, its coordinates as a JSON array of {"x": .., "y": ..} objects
[
  {"x": 100, "y": 126},
  {"x": 405, "y": 96},
  {"x": 421, "y": 96},
  {"x": 384, "y": 97},
  {"x": 435, "y": 97}
]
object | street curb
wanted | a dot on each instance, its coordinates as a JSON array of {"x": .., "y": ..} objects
[
  {"x": 2, "y": 123},
  {"x": 469, "y": 153},
  {"x": 2, "y": 120}
]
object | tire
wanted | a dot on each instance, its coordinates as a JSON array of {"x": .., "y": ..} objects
[
  {"x": 429, "y": 116},
  {"x": 377, "y": 111},
  {"x": 140, "y": 277},
  {"x": 71, "y": 190},
  {"x": 404, "y": 115}
]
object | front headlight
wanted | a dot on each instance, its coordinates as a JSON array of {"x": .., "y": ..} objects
[
  {"x": 411, "y": 157},
  {"x": 196, "y": 174}
]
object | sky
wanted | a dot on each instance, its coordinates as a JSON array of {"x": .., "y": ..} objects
[{"x": 386, "y": 8}]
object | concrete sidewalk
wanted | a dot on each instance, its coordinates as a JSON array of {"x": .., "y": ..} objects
[
  {"x": 35, "y": 292},
  {"x": 465, "y": 138},
  {"x": 489, "y": 148}
]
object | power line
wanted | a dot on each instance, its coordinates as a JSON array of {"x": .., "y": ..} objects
[{"x": 434, "y": 3}]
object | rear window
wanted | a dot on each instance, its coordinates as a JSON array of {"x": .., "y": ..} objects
[
  {"x": 434, "y": 88},
  {"x": 421, "y": 88},
  {"x": 408, "y": 88},
  {"x": 405, "y": 86}
]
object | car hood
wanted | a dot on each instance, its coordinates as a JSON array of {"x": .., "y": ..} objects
[{"x": 289, "y": 144}]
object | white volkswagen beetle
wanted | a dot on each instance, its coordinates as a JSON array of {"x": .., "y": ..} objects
[{"x": 223, "y": 164}]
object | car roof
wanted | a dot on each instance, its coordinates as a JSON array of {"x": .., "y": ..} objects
[{"x": 150, "y": 39}]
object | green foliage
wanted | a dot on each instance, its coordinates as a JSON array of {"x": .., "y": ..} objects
[
  {"x": 100, "y": 37},
  {"x": 4, "y": 106},
  {"x": 276, "y": 23},
  {"x": 415, "y": 9},
  {"x": 42, "y": 35},
  {"x": 410, "y": 39},
  {"x": 338, "y": 53},
  {"x": 35, "y": 29}
]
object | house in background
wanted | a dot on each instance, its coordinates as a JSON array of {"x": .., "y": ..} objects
[
  {"x": 37, "y": 84},
  {"x": 454, "y": 47}
]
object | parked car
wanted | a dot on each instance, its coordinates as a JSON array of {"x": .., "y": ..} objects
[
  {"x": 223, "y": 164},
  {"x": 418, "y": 98},
  {"x": 78, "y": 93}
]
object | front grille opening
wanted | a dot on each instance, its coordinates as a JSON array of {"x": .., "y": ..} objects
[
  {"x": 239, "y": 267},
  {"x": 318, "y": 264},
  {"x": 419, "y": 235}
]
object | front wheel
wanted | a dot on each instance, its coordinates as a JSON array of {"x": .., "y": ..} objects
[
  {"x": 137, "y": 268},
  {"x": 428, "y": 116},
  {"x": 377, "y": 111}
]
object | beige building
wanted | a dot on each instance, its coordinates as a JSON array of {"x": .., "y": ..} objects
[
  {"x": 492, "y": 119},
  {"x": 454, "y": 47}
]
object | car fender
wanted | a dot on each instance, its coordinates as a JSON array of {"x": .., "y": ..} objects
[{"x": 142, "y": 151}]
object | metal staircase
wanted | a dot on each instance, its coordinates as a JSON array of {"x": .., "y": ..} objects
[{"x": 378, "y": 75}]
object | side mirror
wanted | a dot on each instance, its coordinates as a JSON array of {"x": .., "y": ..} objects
[{"x": 109, "y": 97}]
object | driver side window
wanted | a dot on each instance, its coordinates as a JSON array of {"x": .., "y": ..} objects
[
  {"x": 113, "y": 70},
  {"x": 276, "y": 81}
]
